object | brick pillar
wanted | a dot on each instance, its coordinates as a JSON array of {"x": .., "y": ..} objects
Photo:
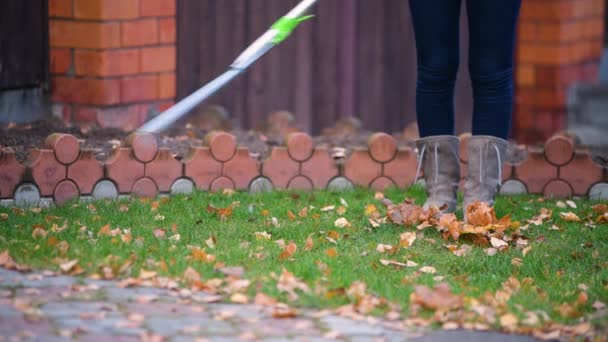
[
  {"x": 559, "y": 43},
  {"x": 112, "y": 61}
]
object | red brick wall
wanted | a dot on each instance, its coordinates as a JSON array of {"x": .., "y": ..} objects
[
  {"x": 560, "y": 43},
  {"x": 112, "y": 61}
]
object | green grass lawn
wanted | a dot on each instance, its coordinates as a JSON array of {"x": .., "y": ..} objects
[{"x": 563, "y": 275}]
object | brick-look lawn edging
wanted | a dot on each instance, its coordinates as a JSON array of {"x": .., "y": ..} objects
[{"x": 62, "y": 171}]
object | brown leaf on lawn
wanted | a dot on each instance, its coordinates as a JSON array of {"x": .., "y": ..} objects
[
  {"x": 526, "y": 250},
  {"x": 499, "y": 244},
  {"x": 517, "y": 262},
  {"x": 480, "y": 214},
  {"x": 341, "y": 210},
  {"x": 370, "y": 209},
  {"x": 342, "y": 223},
  {"x": 289, "y": 283},
  {"x": 52, "y": 241},
  {"x": 582, "y": 298},
  {"x": 392, "y": 262},
  {"x": 126, "y": 238},
  {"x": 440, "y": 298},
  {"x": 154, "y": 206},
  {"x": 104, "y": 231},
  {"x": 210, "y": 242},
  {"x": 58, "y": 229},
  {"x": 202, "y": 256},
  {"x": 332, "y": 252},
  {"x": 288, "y": 251},
  {"x": 123, "y": 208},
  {"x": 39, "y": 233},
  {"x": 63, "y": 247},
  {"x": 570, "y": 217},
  {"x": 382, "y": 248},
  {"x": 600, "y": 208},
  {"x": 333, "y": 234},
  {"x": 222, "y": 213},
  {"x": 449, "y": 224},
  {"x": 602, "y": 218},
  {"x": 262, "y": 235},
  {"x": 303, "y": 212},
  {"x": 463, "y": 250},
  {"x": 3, "y": 217},
  {"x": 160, "y": 233},
  {"x": 407, "y": 239},
  {"x": 428, "y": 269},
  {"x": 545, "y": 214},
  {"x": 309, "y": 244},
  {"x": 567, "y": 310},
  {"x": 291, "y": 215}
]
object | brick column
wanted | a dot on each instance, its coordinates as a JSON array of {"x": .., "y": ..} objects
[
  {"x": 112, "y": 61},
  {"x": 559, "y": 43}
]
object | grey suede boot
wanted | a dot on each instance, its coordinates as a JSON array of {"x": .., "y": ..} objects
[
  {"x": 441, "y": 164},
  {"x": 484, "y": 174}
]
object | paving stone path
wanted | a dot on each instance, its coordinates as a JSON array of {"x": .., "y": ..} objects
[{"x": 44, "y": 307}]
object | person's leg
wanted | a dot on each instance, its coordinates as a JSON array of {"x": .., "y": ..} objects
[
  {"x": 492, "y": 29},
  {"x": 436, "y": 24},
  {"x": 492, "y": 26}
]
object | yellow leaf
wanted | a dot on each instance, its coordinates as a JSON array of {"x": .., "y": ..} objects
[{"x": 370, "y": 209}]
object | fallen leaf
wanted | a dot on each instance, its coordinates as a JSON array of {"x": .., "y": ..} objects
[
  {"x": 571, "y": 204},
  {"x": 342, "y": 223},
  {"x": 341, "y": 210},
  {"x": 498, "y": 243},
  {"x": 309, "y": 244},
  {"x": 288, "y": 251},
  {"x": 370, "y": 209},
  {"x": 239, "y": 298},
  {"x": 407, "y": 239},
  {"x": 570, "y": 217},
  {"x": 222, "y": 213},
  {"x": 202, "y": 256},
  {"x": 210, "y": 242},
  {"x": 284, "y": 313},
  {"x": 428, "y": 269},
  {"x": 146, "y": 275},
  {"x": 379, "y": 196},
  {"x": 68, "y": 265},
  {"x": 159, "y": 233},
  {"x": 382, "y": 248},
  {"x": 561, "y": 204},
  {"x": 264, "y": 300},
  {"x": 480, "y": 214},
  {"x": 175, "y": 237},
  {"x": 3, "y": 217},
  {"x": 490, "y": 251},
  {"x": 39, "y": 233},
  {"x": 328, "y": 208},
  {"x": 191, "y": 275},
  {"x": 392, "y": 262},
  {"x": 526, "y": 250},
  {"x": 262, "y": 235},
  {"x": 288, "y": 283},
  {"x": 439, "y": 298},
  {"x": 508, "y": 321},
  {"x": 332, "y": 252},
  {"x": 517, "y": 262}
]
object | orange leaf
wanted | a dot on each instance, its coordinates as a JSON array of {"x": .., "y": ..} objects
[
  {"x": 332, "y": 252},
  {"x": 288, "y": 251},
  {"x": 309, "y": 243}
]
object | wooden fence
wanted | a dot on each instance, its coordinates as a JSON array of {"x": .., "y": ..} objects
[{"x": 355, "y": 58}]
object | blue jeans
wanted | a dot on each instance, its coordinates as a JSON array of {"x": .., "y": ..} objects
[{"x": 492, "y": 31}]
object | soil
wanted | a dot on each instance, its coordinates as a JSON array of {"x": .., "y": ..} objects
[{"x": 23, "y": 138}]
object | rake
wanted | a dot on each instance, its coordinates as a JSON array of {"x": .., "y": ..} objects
[{"x": 278, "y": 32}]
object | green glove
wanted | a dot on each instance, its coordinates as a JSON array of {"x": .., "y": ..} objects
[{"x": 286, "y": 26}]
